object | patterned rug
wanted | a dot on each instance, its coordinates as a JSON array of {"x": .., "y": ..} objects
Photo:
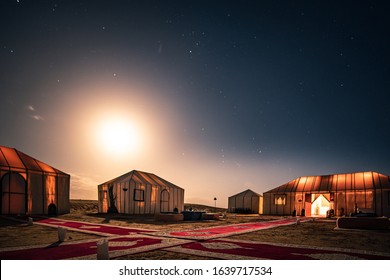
[
  {"x": 118, "y": 246},
  {"x": 230, "y": 249},
  {"x": 228, "y": 230},
  {"x": 99, "y": 229}
]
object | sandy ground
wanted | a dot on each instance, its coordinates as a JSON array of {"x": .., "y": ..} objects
[{"x": 320, "y": 232}]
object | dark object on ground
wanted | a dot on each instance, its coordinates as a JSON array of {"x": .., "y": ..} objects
[
  {"x": 363, "y": 223},
  {"x": 330, "y": 213},
  {"x": 169, "y": 217},
  {"x": 363, "y": 214},
  {"x": 243, "y": 211},
  {"x": 192, "y": 215},
  {"x": 294, "y": 213}
]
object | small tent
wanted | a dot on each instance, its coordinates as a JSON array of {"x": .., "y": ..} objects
[
  {"x": 29, "y": 186},
  {"x": 246, "y": 202},
  {"x": 342, "y": 193},
  {"x": 140, "y": 192}
]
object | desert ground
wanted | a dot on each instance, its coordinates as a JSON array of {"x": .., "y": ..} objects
[{"x": 317, "y": 232}]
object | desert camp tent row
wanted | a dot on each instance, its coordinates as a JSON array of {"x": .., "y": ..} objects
[
  {"x": 342, "y": 193},
  {"x": 247, "y": 201},
  {"x": 139, "y": 192},
  {"x": 29, "y": 186}
]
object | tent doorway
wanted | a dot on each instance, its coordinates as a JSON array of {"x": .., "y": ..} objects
[
  {"x": 13, "y": 194},
  {"x": 164, "y": 201},
  {"x": 320, "y": 205},
  {"x": 52, "y": 209}
]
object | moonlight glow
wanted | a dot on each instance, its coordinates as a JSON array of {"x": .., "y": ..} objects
[{"x": 117, "y": 136}]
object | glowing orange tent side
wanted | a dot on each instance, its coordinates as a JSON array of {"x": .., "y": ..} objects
[
  {"x": 343, "y": 194},
  {"x": 29, "y": 186}
]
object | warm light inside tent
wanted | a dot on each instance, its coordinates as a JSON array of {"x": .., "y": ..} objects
[{"x": 320, "y": 205}]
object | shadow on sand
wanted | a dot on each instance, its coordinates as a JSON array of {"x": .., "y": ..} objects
[{"x": 55, "y": 244}]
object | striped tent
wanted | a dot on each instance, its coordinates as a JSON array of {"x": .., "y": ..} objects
[
  {"x": 140, "y": 192},
  {"x": 247, "y": 201}
]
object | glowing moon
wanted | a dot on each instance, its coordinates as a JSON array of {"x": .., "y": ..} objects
[{"x": 117, "y": 136}]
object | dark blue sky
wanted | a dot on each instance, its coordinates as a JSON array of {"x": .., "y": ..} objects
[{"x": 258, "y": 92}]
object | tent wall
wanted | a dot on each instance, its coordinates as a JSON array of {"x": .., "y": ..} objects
[
  {"x": 63, "y": 194},
  {"x": 176, "y": 199},
  {"x": 141, "y": 199},
  {"x": 261, "y": 202},
  {"x": 36, "y": 193},
  {"x": 103, "y": 201},
  {"x": 40, "y": 191},
  {"x": 50, "y": 192},
  {"x": 14, "y": 193},
  {"x": 272, "y": 207}
]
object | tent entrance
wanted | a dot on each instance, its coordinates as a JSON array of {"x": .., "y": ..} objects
[
  {"x": 13, "y": 194},
  {"x": 320, "y": 204},
  {"x": 164, "y": 201},
  {"x": 52, "y": 210}
]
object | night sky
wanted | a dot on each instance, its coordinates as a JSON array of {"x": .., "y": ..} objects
[{"x": 214, "y": 96}]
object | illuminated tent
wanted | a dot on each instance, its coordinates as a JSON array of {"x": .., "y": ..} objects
[
  {"x": 29, "y": 186},
  {"x": 342, "y": 193},
  {"x": 246, "y": 202},
  {"x": 140, "y": 192}
]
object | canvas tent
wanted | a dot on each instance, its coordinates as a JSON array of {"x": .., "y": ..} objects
[
  {"x": 140, "y": 192},
  {"x": 29, "y": 186},
  {"x": 246, "y": 202},
  {"x": 342, "y": 193}
]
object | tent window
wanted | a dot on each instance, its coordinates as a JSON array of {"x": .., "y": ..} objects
[
  {"x": 280, "y": 199},
  {"x": 139, "y": 195}
]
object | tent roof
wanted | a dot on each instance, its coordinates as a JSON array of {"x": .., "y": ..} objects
[
  {"x": 10, "y": 158},
  {"x": 244, "y": 193},
  {"x": 336, "y": 182},
  {"x": 144, "y": 178}
]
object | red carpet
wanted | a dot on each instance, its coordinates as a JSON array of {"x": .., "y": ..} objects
[
  {"x": 228, "y": 230},
  {"x": 133, "y": 242},
  {"x": 118, "y": 246},
  {"x": 105, "y": 230},
  {"x": 232, "y": 249}
]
